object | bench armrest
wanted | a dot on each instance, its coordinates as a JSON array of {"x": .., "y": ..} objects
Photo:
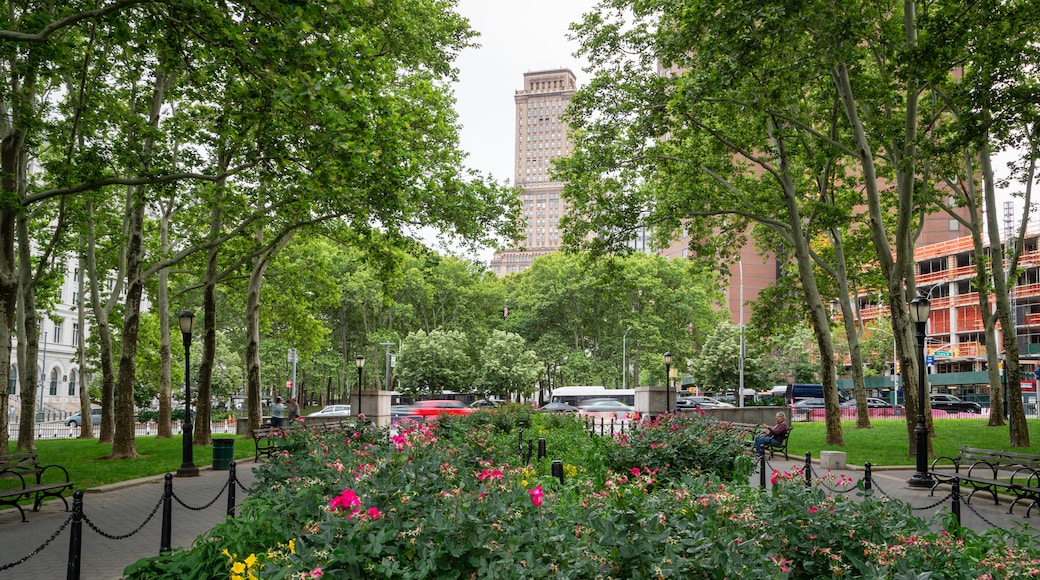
[{"x": 56, "y": 468}]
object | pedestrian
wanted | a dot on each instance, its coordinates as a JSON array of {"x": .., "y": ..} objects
[
  {"x": 774, "y": 435},
  {"x": 277, "y": 412},
  {"x": 293, "y": 410}
]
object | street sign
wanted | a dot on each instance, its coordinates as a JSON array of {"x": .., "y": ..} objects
[
  {"x": 930, "y": 360},
  {"x": 945, "y": 353}
]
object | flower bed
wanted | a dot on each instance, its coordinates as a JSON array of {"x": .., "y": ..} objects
[{"x": 453, "y": 500}]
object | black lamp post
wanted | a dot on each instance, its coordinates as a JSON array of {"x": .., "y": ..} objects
[
  {"x": 668, "y": 382},
  {"x": 360, "y": 361},
  {"x": 186, "y": 320},
  {"x": 920, "y": 307}
]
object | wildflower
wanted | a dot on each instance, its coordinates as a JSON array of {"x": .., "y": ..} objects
[
  {"x": 635, "y": 471},
  {"x": 317, "y": 573},
  {"x": 373, "y": 513},
  {"x": 537, "y": 495},
  {"x": 814, "y": 509}
]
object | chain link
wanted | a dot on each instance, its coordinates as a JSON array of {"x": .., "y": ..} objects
[
  {"x": 982, "y": 517},
  {"x": 104, "y": 534},
  {"x": 198, "y": 509},
  {"x": 26, "y": 558}
]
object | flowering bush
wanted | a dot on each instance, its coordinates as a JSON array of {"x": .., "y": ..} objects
[{"x": 446, "y": 502}]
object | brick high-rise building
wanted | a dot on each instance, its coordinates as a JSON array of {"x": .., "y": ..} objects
[{"x": 541, "y": 136}]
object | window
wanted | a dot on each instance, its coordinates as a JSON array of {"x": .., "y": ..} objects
[
  {"x": 57, "y": 334},
  {"x": 954, "y": 225},
  {"x": 54, "y": 381},
  {"x": 75, "y": 334},
  {"x": 72, "y": 383},
  {"x": 12, "y": 381}
]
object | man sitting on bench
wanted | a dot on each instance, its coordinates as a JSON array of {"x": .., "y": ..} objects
[{"x": 774, "y": 435}]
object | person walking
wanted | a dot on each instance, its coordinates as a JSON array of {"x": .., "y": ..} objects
[
  {"x": 774, "y": 435},
  {"x": 292, "y": 410},
  {"x": 277, "y": 412}
]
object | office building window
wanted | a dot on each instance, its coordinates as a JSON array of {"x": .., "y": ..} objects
[
  {"x": 57, "y": 334},
  {"x": 12, "y": 381},
  {"x": 75, "y": 334},
  {"x": 72, "y": 383},
  {"x": 54, "y": 382}
]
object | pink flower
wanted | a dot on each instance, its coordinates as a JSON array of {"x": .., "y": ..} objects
[
  {"x": 814, "y": 509},
  {"x": 373, "y": 513},
  {"x": 635, "y": 471},
  {"x": 345, "y": 500},
  {"x": 537, "y": 495},
  {"x": 317, "y": 573}
]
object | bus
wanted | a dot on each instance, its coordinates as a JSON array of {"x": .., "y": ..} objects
[{"x": 577, "y": 395}]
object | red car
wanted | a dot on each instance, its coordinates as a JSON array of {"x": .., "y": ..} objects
[{"x": 431, "y": 409}]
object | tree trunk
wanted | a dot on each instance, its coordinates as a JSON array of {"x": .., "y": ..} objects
[
  {"x": 87, "y": 427},
  {"x": 164, "y": 427},
  {"x": 124, "y": 440}
]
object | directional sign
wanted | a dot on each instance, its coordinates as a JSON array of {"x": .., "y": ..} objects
[
  {"x": 945, "y": 353},
  {"x": 930, "y": 360}
]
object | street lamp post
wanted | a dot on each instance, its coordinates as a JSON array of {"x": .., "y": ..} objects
[
  {"x": 920, "y": 307},
  {"x": 186, "y": 320},
  {"x": 360, "y": 361},
  {"x": 667, "y": 382}
]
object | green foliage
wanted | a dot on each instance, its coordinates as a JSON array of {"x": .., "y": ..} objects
[
  {"x": 507, "y": 366},
  {"x": 430, "y": 363}
]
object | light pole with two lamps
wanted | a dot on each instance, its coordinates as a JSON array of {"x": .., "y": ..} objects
[
  {"x": 360, "y": 361},
  {"x": 920, "y": 308},
  {"x": 186, "y": 320},
  {"x": 667, "y": 382}
]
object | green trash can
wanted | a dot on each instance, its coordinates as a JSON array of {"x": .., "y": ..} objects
[{"x": 223, "y": 453}]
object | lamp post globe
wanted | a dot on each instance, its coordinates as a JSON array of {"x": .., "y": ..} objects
[
  {"x": 360, "y": 361},
  {"x": 920, "y": 308},
  {"x": 186, "y": 320}
]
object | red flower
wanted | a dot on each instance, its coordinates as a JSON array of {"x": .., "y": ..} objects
[{"x": 537, "y": 495}]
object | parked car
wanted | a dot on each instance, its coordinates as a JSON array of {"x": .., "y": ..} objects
[
  {"x": 806, "y": 404},
  {"x": 607, "y": 409},
  {"x": 77, "y": 419},
  {"x": 693, "y": 402},
  {"x": 558, "y": 408},
  {"x": 952, "y": 404},
  {"x": 332, "y": 411},
  {"x": 434, "y": 408}
]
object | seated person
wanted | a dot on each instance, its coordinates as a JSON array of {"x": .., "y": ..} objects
[{"x": 774, "y": 435}]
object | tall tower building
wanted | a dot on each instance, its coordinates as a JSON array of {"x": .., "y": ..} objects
[{"x": 541, "y": 136}]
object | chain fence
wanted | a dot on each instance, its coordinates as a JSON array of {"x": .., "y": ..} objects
[{"x": 79, "y": 516}]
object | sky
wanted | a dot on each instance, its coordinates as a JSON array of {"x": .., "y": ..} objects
[{"x": 515, "y": 38}]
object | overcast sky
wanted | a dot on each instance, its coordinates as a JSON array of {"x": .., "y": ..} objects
[{"x": 515, "y": 38}]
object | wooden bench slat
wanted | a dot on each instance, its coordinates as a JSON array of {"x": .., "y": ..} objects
[{"x": 26, "y": 468}]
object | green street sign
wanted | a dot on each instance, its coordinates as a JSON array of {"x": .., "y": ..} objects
[{"x": 945, "y": 353}]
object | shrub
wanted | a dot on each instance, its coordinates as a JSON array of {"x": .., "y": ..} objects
[{"x": 453, "y": 500}]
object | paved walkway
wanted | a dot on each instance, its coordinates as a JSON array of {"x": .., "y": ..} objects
[
  {"x": 891, "y": 482},
  {"x": 116, "y": 510},
  {"x": 121, "y": 508}
]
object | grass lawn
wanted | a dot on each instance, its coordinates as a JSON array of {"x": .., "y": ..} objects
[
  {"x": 886, "y": 443},
  {"x": 88, "y": 467}
]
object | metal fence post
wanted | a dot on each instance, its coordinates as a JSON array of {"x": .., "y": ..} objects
[
  {"x": 867, "y": 476},
  {"x": 808, "y": 469},
  {"x": 541, "y": 447},
  {"x": 167, "y": 515},
  {"x": 557, "y": 469},
  {"x": 76, "y": 536},
  {"x": 955, "y": 491},
  {"x": 232, "y": 477},
  {"x": 762, "y": 471}
]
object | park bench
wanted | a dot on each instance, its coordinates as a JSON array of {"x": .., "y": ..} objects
[
  {"x": 752, "y": 430},
  {"x": 992, "y": 471},
  {"x": 22, "y": 477},
  {"x": 269, "y": 440}
]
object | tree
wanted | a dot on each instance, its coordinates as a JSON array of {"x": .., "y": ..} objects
[
  {"x": 433, "y": 362},
  {"x": 506, "y": 367}
]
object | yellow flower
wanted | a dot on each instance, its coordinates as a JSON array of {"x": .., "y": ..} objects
[
  {"x": 251, "y": 561},
  {"x": 238, "y": 568},
  {"x": 292, "y": 546}
]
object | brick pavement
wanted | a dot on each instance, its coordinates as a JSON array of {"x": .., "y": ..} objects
[{"x": 116, "y": 510}]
